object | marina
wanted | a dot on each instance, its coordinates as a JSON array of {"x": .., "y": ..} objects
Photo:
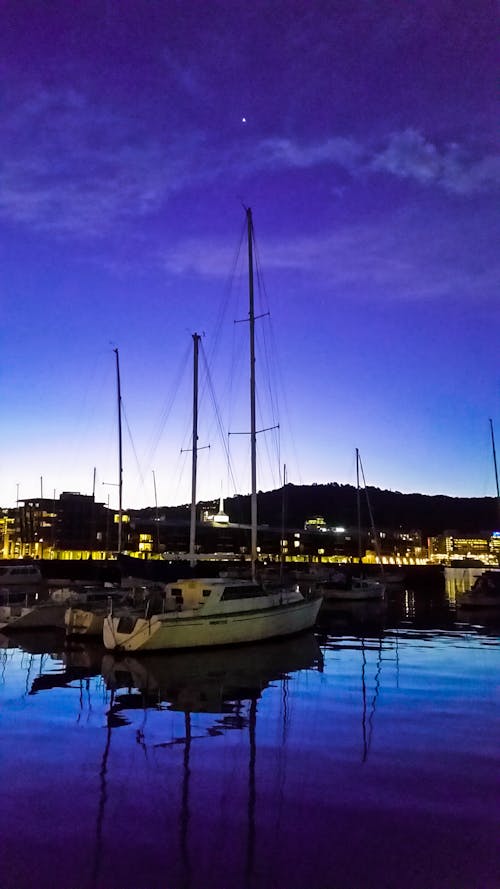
[{"x": 363, "y": 753}]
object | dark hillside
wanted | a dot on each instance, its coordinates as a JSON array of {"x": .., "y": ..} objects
[{"x": 337, "y": 505}]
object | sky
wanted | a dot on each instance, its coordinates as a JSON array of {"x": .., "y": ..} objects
[{"x": 362, "y": 135}]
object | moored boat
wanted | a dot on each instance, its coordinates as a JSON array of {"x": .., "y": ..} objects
[
  {"x": 84, "y": 616},
  {"x": 343, "y": 585},
  {"x": 212, "y": 611},
  {"x": 198, "y": 612},
  {"x": 20, "y": 610},
  {"x": 484, "y": 593},
  {"x": 355, "y": 590},
  {"x": 20, "y": 574}
]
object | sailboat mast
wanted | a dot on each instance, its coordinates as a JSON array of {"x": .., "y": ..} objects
[
  {"x": 283, "y": 516},
  {"x": 494, "y": 456},
  {"x": 192, "y": 532},
  {"x": 120, "y": 454},
  {"x": 253, "y": 431},
  {"x": 358, "y": 505}
]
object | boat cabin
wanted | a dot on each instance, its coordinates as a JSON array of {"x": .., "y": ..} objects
[{"x": 201, "y": 592}]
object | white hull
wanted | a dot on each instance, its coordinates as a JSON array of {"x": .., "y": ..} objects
[{"x": 191, "y": 630}]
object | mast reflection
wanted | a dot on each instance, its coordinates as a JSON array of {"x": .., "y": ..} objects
[{"x": 218, "y": 682}]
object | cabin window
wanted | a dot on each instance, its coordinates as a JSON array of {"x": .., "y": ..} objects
[
  {"x": 206, "y": 593},
  {"x": 176, "y": 591},
  {"x": 242, "y": 592}
]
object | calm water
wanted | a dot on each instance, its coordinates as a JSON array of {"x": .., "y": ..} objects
[{"x": 364, "y": 755}]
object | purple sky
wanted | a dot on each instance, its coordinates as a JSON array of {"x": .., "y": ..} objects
[{"x": 368, "y": 156}]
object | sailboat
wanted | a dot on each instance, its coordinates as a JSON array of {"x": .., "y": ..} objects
[
  {"x": 357, "y": 588},
  {"x": 200, "y": 612},
  {"x": 87, "y": 608}
]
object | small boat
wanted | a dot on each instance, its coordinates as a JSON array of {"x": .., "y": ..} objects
[
  {"x": 20, "y": 574},
  {"x": 355, "y": 590},
  {"x": 20, "y": 610},
  {"x": 85, "y": 615},
  {"x": 342, "y": 586},
  {"x": 199, "y": 612},
  {"x": 484, "y": 593}
]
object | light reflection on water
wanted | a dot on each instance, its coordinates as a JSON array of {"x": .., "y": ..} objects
[{"x": 363, "y": 755}]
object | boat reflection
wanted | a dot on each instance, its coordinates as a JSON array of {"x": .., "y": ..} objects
[
  {"x": 358, "y": 618},
  {"x": 209, "y": 681},
  {"x": 484, "y": 621},
  {"x": 224, "y": 682},
  {"x": 34, "y": 641}
]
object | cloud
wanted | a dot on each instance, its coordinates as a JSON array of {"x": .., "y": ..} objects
[
  {"x": 340, "y": 151},
  {"x": 83, "y": 168},
  {"x": 393, "y": 260},
  {"x": 408, "y": 155},
  {"x": 71, "y": 167}
]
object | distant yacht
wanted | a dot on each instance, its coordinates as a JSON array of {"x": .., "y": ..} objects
[{"x": 355, "y": 588}]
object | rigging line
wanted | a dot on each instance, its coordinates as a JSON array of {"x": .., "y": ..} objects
[
  {"x": 229, "y": 289},
  {"x": 218, "y": 419},
  {"x": 141, "y": 477},
  {"x": 372, "y": 523},
  {"x": 263, "y": 344},
  {"x": 274, "y": 431},
  {"x": 165, "y": 414},
  {"x": 179, "y": 472},
  {"x": 280, "y": 386},
  {"x": 264, "y": 351}
]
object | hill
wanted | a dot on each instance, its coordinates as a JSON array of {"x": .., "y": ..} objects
[{"x": 431, "y": 514}]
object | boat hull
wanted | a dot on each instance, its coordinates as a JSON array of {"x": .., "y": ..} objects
[
  {"x": 480, "y": 600},
  {"x": 353, "y": 596},
  {"x": 20, "y": 617},
  {"x": 168, "y": 631},
  {"x": 360, "y": 591},
  {"x": 81, "y": 622}
]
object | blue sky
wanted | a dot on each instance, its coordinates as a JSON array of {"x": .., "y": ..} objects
[{"x": 363, "y": 137}]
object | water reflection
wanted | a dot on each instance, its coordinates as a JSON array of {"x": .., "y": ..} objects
[
  {"x": 210, "y": 681},
  {"x": 282, "y": 764}
]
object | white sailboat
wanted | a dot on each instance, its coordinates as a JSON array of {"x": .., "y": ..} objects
[{"x": 219, "y": 611}]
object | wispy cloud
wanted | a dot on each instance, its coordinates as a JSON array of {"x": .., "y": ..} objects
[
  {"x": 409, "y": 155},
  {"x": 340, "y": 151},
  {"x": 71, "y": 167},
  {"x": 394, "y": 261}
]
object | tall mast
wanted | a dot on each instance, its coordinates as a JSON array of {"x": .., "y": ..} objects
[
  {"x": 156, "y": 513},
  {"x": 358, "y": 506},
  {"x": 192, "y": 532},
  {"x": 253, "y": 431},
  {"x": 120, "y": 464},
  {"x": 494, "y": 456},
  {"x": 283, "y": 516}
]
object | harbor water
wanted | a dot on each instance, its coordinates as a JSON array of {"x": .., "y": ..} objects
[{"x": 363, "y": 754}]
